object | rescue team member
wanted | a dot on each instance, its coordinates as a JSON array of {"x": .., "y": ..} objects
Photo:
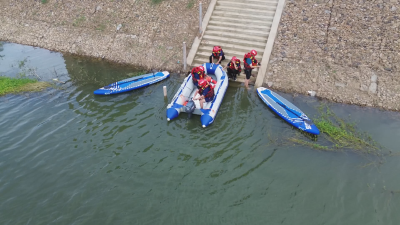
[
  {"x": 198, "y": 74},
  {"x": 250, "y": 62},
  {"x": 217, "y": 53},
  {"x": 206, "y": 92},
  {"x": 234, "y": 68}
]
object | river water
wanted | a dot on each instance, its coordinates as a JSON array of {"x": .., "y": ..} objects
[{"x": 70, "y": 157}]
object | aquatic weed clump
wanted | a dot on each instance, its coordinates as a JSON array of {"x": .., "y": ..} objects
[
  {"x": 338, "y": 135},
  {"x": 15, "y": 85},
  {"x": 342, "y": 134},
  {"x": 310, "y": 144}
]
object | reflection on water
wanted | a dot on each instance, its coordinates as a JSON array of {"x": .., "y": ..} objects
[
  {"x": 97, "y": 72},
  {"x": 70, "y": 157},
  {"x": 32, "y": 62}
]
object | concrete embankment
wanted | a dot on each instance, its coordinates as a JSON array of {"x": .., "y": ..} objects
[
  {"x": 136, "y": 32},
  {"x": 345, "y": 51}
]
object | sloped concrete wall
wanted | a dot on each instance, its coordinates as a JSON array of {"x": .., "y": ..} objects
[
  {"x": 346, "y": 51},
  {"x": 136, "y": 32}
]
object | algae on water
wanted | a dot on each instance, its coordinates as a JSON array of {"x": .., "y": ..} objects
[
  {"x": 15, "y": 85},
  {"x": 338, "y": 135}
]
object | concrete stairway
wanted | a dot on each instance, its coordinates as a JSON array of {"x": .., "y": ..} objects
[{"x": 238, "y": 26}]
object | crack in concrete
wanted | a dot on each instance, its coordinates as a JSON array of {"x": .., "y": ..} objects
[
  {"x": 381, "y": 37},
  {"x": 329, "y": 22}
]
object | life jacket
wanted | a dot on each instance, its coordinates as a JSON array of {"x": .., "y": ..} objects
[
  {"x": 232, "y": 67},
  {"x": 207, "y": 91},
  {"x": 217, "y": 54},
  {"x": 253, "y": 61}
]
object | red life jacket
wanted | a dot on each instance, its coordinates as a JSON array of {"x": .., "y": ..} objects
[
  {"x": 209, "y": 91},
  {"x": 232, "y": 67},
  {"x": 247, "y": 55},
  {"x": 216, "y": 54},
  {"x": 253, "y": 61}
]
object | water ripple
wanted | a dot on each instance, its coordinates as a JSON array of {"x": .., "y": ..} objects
[{"x": 70, "y": 157}]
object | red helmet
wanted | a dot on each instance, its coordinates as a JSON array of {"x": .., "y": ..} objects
[
  {"x": 216, "y": 48},
  {"x": 202, "y": 83},
  {"x": 234, "y": 58},
  {"x": 199, "y": 70},
  {"x": 253, "y": 52}
]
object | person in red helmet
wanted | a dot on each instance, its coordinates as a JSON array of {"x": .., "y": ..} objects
[
  {"x": 217, "y": 53},
  {"x": 198, "y": 74},
  {"x": 234, "y": 68},
  {"x": 206, "y": 92},
  {"x": 250, "y": 62}
]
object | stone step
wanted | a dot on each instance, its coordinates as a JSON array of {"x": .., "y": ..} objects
[
  {"x": 241, "y": 42},
  {"x": 256, "y": 2},
  {"x": 205, "y": 53},
  {"x": 231, "y": 35},
  {"x": 250, "y": 31},
  {"x": 216, "y": 19},
  {"x": 249, "y": 4},
  {"x": 242, "y": 77},
  {"x": 239, "y": 25},
  {"x": 227, "y": 48},
  {"x": 266, "y": 17},
  {"x": 239, "y": 10}
]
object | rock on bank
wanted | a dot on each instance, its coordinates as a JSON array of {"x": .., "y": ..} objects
[{"x": 136, "y": 32}]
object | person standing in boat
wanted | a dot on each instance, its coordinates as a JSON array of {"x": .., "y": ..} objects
[
  {"x": 206, "y": 92},
  {"x": 250, "y": 62},
  {"x": 234, "y": 68},
  {"x": 198, "y": 74},
  {"x": 217, "y": 53}
]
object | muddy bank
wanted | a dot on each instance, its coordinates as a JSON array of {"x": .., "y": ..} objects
[
  {"x": 345, "y": 51},
  {"x": 134, "y": 32}
]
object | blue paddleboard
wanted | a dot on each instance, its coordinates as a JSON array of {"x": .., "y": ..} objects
[
  {"x": 132, "y": 83},
  {"x": 287, "y": 110}
]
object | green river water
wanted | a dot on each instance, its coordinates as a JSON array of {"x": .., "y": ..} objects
[{"x": 70, "y": 157}]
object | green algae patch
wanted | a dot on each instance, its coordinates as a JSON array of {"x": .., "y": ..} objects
[
  {"x": 16, "y": 85},
  {"x": 310, "y": 144},
  {"x": 344, "y": 135},
  {"x": 338, "y": 134}
]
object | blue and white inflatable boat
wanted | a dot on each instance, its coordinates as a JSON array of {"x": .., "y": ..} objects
[
  {"x": 132, "y": 83},
  {"x": 188, "y": 89},
  {"x": 287, "y": 110}
]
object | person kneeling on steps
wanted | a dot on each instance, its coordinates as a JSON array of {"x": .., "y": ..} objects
[
  {"x": 217, "y": 53},
  {"x": 234, "y": 68}
]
